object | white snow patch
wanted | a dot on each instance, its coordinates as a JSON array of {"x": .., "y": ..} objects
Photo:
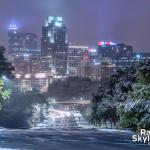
[
  {"x": 116, "y": 130},
  {"x": 9, "y": 149},
  {"x": 81, "y": 121}
]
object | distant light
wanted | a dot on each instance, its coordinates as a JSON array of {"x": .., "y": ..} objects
[
  {"x": 97, "y": 63},
  {"x": 26, "y": 55},
  {"x": 101, "y": 43},
  {"x": 4, "y": 77},
  {"x": 52, "y": 40},
  {"x": 108, "y": 43},
  {"x": 85, "y": 57},
  {"x": 92, "y": 50},
  {"x": 13, "y": 27},
  {"x": 46, "y": 23},
  {"x": 111, "y": 43},
  {"x": 77, "y": 47},
  {"x": 114, "y": 65},
  {"x": 40, "y": 75},
  {"x": 49, "y": 34},
  {"x": 59, "y": 19},
  {"x": 57, "y": 77},
  {"x": 138, "y": 56},
  {"x": 27, "y": 76},
  {"x": 50, "y": 19},
  {"x": 18, "y": 76},
  {"x": 58, "y": 24}
]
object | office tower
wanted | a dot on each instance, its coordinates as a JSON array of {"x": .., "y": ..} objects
[
  {"x": 89, "y": 65},
  {"x": 21, "y": 43},
  {"x": 22, "y": 47},
  {"x": 113, "y": 50},
  {"x": 75, "y": 54},
  {"x": 54, "y": 44}
]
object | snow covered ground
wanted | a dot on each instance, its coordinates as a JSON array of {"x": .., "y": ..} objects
[
  {"x": 9, "y": 149},
  {"x": 81, "y": 122}
]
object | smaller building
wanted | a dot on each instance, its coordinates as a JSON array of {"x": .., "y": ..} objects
[
  {"x": 37, "y": 81},
  {"x": 75, "y": 54},
  {"x": 90, "y": 65}
]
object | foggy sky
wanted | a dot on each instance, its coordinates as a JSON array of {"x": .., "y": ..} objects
[{"x": 87, "y": 21}]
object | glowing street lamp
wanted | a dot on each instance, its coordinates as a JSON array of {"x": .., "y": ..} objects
[
  {"x": 4, "y": 77},
  {"x": 27, "y": 76},
  {"x": 40, "y": 75},
  {"x": 18, "y": 76}
]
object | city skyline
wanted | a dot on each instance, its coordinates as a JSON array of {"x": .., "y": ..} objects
[
  {"x": 74, "y": 74},
  {"x": 120, "y": 24}
]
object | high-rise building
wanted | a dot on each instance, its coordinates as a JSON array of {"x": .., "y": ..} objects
[
  {"x": 21, "y": 43},
  {"x": 22, "y": 48},
  {"x": 54, "y": 43},
  {"x": 113, "y": 50},
  {"x": 111, "y": 56},
  {"x": 75, "y": 55},
  {"x": 45, "y": 65},
  {"x": 89, "y": 65}
]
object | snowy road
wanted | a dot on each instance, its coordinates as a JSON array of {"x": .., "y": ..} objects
[
  {"x": 79, "y": 139},
  {"x": 66, "y": 131}
]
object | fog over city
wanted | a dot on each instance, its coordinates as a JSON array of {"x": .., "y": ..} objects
[
  {"x": 74, "y": 75},
  {"x": 87, "y": 21}
]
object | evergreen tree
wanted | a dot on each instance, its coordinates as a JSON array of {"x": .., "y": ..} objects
[
  {"x": 124, "y": 98},
  {"x": 5, "y": 74},
  {"x": 5, "y": 67}
]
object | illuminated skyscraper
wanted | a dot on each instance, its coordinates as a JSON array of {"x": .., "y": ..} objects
[
  {"x": 12, "y": 40},
  {"x": 54, "y": 44},
  {"x": 113, "y": 50},
  {"x": 22, "y": 47},
  {"x": 75, "y": 55},
  {"x": 21, "y": 43}
]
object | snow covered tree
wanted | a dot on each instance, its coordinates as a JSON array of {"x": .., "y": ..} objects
[
  {"x": 126, "y": 88},
  {"x": 135, "y": 112}
]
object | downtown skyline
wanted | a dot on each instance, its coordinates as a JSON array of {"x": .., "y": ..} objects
[
  {"x": 74, "y": 74},
  {"x": 121, "y": 22}
]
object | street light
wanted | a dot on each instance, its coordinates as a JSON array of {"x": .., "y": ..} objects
[{"x": 4, "y": 77}]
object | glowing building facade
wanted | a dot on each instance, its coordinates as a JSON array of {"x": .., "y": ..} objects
[
  {"x": 113, "y": 50},
  {"x": 21, "y": 43},
  {"x": 54, "y": 44},
  {"x": 22, "y": 48},
  {"x": 75, "y": 54}
]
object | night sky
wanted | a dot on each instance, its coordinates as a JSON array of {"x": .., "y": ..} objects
[{"x": 87, "y": 21}]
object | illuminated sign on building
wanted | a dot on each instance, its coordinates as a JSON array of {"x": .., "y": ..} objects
[
  {"x": 107, "y": 43},
  {"x": 91, "y": 50}
]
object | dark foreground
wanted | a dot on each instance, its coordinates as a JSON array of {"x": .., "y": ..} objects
[{"x": 67, "y": 139}]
